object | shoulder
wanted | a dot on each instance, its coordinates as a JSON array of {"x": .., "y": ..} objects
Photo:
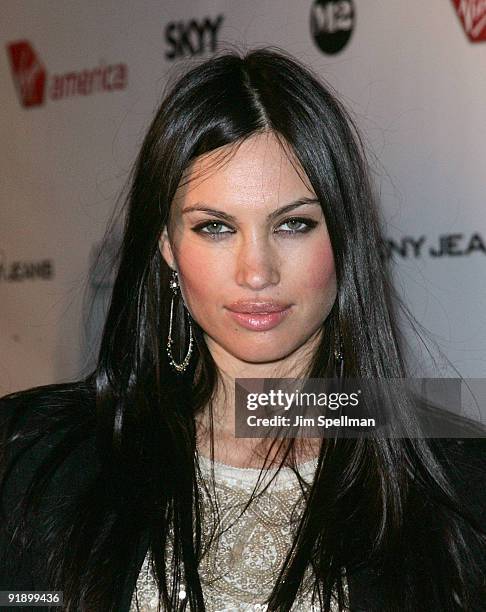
[
  {"x": 45, "y": 401},
  {"x": 464, "y": 460},
  {"x": 54, "y": 407},
  {"x": 63, "y": 404},
  {"x": 463, "y": 456},
  {"x": 47, "y": 457},
  {"x": 49, "y": 424},
  {"x": 464, "y": 463}
]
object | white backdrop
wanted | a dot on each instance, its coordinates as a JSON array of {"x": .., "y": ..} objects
[{"x": 80, "y": 81}]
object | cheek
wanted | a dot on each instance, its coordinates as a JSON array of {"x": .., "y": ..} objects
[
  {"x": 200, "y": 276},
  {"x": 321, "y": 275},
  {"x": 198, "y": 283}
]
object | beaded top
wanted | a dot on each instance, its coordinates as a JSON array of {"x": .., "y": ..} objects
[{"x": 242, "y": 563}]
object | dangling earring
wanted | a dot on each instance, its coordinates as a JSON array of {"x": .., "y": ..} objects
[
  {"x": 179, "y": 367},
  {"x": 339, "y": 357}
]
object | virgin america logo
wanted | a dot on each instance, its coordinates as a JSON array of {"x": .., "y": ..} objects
[
  {"x": 472, "y": 14},
  {"x": 28, "y": 73},
  {"x": 32, "y": 83}
]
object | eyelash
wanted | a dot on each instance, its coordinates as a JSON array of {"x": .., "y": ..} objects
[{"x": 309, "y": 223}]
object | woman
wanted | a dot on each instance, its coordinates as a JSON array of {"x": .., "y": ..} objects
[{"x": 251, "y": 250}]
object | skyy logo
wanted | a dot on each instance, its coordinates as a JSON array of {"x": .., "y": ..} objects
[
  {"x": 33, "y": 85},
  {"x": 332, "y": 23},
  {"x": 192, "y": 37},
  {"x": 28, "y": 73},
  {"x": 472, "y": 14}
]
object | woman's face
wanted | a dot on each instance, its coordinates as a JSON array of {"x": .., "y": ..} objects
[{"x": 259, "y": 280}]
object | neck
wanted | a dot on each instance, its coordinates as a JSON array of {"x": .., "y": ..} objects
[{"x": 242, "y": 451}]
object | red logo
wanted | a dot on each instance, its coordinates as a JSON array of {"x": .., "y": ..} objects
[
  {"x": 472, "y": 14},
  {"x": 32, "y": 83},
  {"x": 28, "y": 73}
]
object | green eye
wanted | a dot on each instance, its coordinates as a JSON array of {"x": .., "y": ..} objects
[
  {"x": 296, "y": 225},
  {"x": 211, "y": 229},
  {"x": 292, "y": 223},
  {"x": 214, "y": 226},
  {"x": 306, "y": 226}
]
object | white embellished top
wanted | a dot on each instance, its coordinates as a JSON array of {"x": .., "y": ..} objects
[{"x": 242, "y": 563}]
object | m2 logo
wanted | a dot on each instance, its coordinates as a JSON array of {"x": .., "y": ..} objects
[
  {"x": 332, "y": 23},
  {"x": 472, "y": 14},
  {"x": 188, "y": 38}
]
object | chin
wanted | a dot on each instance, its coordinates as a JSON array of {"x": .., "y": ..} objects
[
  {"x": 264, "y": 355},
  {"x": 256, "y": 359}
]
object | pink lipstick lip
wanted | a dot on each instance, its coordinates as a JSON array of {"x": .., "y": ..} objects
[
  {"x": 257, "y": 307},
  {"x": 260, "y": 321}
]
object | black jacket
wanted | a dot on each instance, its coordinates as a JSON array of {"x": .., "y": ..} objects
[{"x": 16, "y": 573}]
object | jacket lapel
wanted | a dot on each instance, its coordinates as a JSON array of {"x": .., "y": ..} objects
[{"x": 133, "y": 572}]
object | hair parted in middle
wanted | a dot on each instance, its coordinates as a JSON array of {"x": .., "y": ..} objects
[{"x": 358, "y": 507}]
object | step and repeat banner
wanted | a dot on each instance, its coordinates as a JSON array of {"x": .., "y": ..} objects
[{"x": 79, "y": 82}]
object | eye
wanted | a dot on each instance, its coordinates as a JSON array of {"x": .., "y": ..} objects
[
  {"x": 211, "y": 229},
  {"x": 298, "y": 225}
]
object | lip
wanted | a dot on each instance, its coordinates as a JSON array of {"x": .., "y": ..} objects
[
  {"x": 259, "y": 320},
  {"x": 252, "y": 307}
]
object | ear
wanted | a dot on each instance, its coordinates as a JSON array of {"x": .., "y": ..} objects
[{"x": 166, "y": 249}]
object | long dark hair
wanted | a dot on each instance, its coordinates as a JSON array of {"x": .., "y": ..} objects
[{"x": 371, "y": 499}]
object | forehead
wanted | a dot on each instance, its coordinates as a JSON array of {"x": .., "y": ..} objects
[{"x": 259, "y": 169}]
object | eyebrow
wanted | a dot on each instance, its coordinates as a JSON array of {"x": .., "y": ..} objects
[{"x": 275, "y": 213}]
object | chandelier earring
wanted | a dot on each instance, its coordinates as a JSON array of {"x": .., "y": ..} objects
[{"x": 178, "y": 367}]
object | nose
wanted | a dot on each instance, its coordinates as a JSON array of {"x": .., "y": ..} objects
[{"x": 257, "y": 264}]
